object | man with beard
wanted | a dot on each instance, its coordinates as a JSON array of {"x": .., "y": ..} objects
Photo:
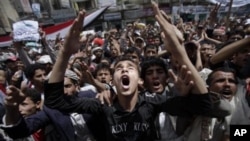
[{"x": 223, "y": 81}]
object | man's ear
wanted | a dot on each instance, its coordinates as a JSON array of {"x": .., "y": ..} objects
[
  {"x": 39, "y": 105},
  {"x": 140, "y": 81}
]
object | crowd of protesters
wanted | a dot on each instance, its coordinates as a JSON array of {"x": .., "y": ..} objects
[{"x": 169, "y": 81}]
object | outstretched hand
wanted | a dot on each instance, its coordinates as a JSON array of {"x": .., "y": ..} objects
[
  {"x": 14, "y": 96},
  {"x": 72, "y": 40},
  {"x": 173, "y": 40},
  {"x": 105, "y": 97},
  {"x": 213, "y": 14},
  {"x": 173, "y": 36},
  {"x": 215, "y": 10},
  {"x": 182, "y": 81}
]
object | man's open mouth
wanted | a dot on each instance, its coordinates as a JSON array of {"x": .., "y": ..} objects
[{"x": 125, "y": 80}]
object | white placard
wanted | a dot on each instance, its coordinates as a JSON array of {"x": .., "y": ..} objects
[{"x": 26, "y": 30}]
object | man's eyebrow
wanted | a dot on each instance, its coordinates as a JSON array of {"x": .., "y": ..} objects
[
  {"x": 131, "y": 64},
  {"x": 149, "y": 70},
  {"x": 118, "y": 65},
  {"x": 67, "y": 84}
]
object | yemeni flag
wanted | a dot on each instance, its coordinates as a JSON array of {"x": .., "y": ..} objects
[{"x": 61, "y": 28}]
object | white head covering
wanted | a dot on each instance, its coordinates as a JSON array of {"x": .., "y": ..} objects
[{"x": 71, "y": 75}]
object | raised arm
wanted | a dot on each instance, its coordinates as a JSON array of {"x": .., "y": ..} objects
[
  {"x": 210, "y": 39},
  {"x": 23, "y": 55},
  {"x": 13, "y": 98},
  {"x": 54, "y": 89},
  {"x": 71, "y": 45},
  {"x": 227, "y": 51},
  {"x": 49, "y": 49},
  {"x": 174, "y": 43}
]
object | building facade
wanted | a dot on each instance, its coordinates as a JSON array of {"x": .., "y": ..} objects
[
  {"x": 46, "y": 12},
  {"x": 121, "y": 12}
]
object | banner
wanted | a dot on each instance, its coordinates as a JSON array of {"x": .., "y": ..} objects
[{"x": 236, "y": 3}]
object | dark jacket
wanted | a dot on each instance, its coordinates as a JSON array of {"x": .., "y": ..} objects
[
  {"x": 136, "y": 125},
  {"x": 59, "y": 121}
]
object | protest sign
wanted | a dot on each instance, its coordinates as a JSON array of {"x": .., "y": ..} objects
[{"x": 26, "y": 30}]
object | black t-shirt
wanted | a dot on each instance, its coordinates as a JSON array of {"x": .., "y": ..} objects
[{"x": 128, "y": 126}]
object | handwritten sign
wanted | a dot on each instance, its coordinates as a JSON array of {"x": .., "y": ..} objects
[{"x": 26, "y": 30}]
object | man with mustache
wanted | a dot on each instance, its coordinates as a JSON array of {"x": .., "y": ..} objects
[{"x": 223, "y": 81}]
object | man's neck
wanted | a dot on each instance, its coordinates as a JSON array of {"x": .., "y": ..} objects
[{"x": 128, "y": 102}]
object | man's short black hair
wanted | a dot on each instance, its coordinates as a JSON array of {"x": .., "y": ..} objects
[
  {"x": 33, "y": 94},
  {"x": 152, "y": 61},
  {"x": 206, "y": 42},
  {"x": 125, "y": 58},
  {"x": 224, "y": 69},
  {"x": 102, "y": 66},
  {"x": 107, "y": 59},
  {"x": 31, "y": 69},
  {"x": 131, "y": 50}
]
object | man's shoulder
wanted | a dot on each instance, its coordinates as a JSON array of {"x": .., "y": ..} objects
[
  {"x": 87, "y": 93},
  {"x": 49, "y": 85},
  {"x": 152, "y": 98}
]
